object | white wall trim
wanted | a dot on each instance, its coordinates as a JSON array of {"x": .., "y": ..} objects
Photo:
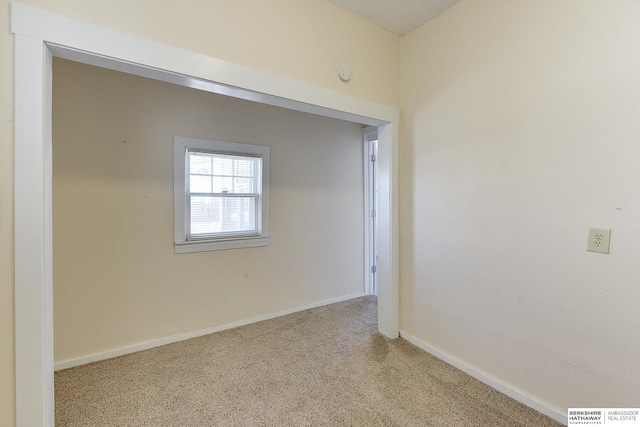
[
  {"x": 146, "y": 345},
  {"x": 387, "y": 237},
  {"x": 33, "y": 249},
  {"x": 369, "y": 134},
  {"x": 513, "y": 393},
  {"x": 188, "y": 247}
]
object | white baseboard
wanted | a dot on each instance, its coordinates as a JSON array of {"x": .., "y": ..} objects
[
  {"x": 109, "y": 354},
  {"x": 491, "y": 382}
]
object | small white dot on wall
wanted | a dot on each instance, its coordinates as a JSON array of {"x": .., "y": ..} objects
[{"x": 344, "y": 73}]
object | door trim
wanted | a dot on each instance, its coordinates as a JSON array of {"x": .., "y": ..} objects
[{"x": 369, "y": 133}]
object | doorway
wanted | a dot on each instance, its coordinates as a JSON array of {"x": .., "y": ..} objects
[{"x": 39, "y": 35}]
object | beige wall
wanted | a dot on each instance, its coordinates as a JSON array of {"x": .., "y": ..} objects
[
  {"x": 7, "y": 374},
  {"x": 521, "y": 132},
  {"x": 306, "y": 41},
  {"x": 117, "y": 281},
  {"x": 303, "y": 40}
]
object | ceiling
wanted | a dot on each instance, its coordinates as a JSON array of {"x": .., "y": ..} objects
[{"x": 397, "y": 16}]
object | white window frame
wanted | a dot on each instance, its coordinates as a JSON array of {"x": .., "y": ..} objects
[{"x": 181, "y": 145}]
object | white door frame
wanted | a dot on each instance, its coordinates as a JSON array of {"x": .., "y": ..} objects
[
  {"x": 39, "y": 35},
  {"x": 370, "y": 133}
]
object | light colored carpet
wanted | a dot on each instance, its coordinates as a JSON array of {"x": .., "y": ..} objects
[{"x": 321, "y": 367}]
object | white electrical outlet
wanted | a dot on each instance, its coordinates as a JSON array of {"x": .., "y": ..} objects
[{"x": 599, "y": 239}]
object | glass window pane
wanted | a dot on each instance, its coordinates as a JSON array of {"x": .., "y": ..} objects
[
  {"x": 222, "y": 185},
  {"x": 200, "y": 163},
  {"x": 205, "y": 215},
  {"x": 199, "y": 184},
  {"x": 223, "y": 215},
  {"x": 245, "y": 167},
  {"x": 239, "y": 214},
  {"x": 243, "y": 185},
  {"x": 223, "y": 165}
]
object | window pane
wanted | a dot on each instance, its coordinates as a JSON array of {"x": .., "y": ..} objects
[
  {"x": 211, "y": 215},
  {"x": 245, "y": 167},
  {"x": 243, "y": 185},
  {"x": 233, "y": 185},
  {"x": 200, "y": 163},
  {"x": 199, "y": 184},
  {"x": 222, "y": 173},
  {"x": 223, "y": 165},
  {"x": 222, "y": 184}
]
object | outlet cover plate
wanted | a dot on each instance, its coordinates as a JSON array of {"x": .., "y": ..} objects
[{"x": 598, "y": 240}]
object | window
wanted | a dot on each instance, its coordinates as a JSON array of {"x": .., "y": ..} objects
[{"x": 221, "y": 195}]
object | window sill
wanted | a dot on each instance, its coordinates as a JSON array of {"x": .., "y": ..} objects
[{"x": 217, "y": 245}]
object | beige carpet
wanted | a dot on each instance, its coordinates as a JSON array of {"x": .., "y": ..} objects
[{"x": 321, "y": 367}]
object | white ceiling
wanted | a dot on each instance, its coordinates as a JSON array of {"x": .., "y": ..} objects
[{"x": 398, "y": 16}]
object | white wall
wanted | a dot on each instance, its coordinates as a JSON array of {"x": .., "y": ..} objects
[
  {"x": 521, "y": 125},
  {"x": 117, "y": 280}
]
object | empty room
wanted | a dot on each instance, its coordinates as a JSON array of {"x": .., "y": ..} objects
[{"x": 287, "y": 212}]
